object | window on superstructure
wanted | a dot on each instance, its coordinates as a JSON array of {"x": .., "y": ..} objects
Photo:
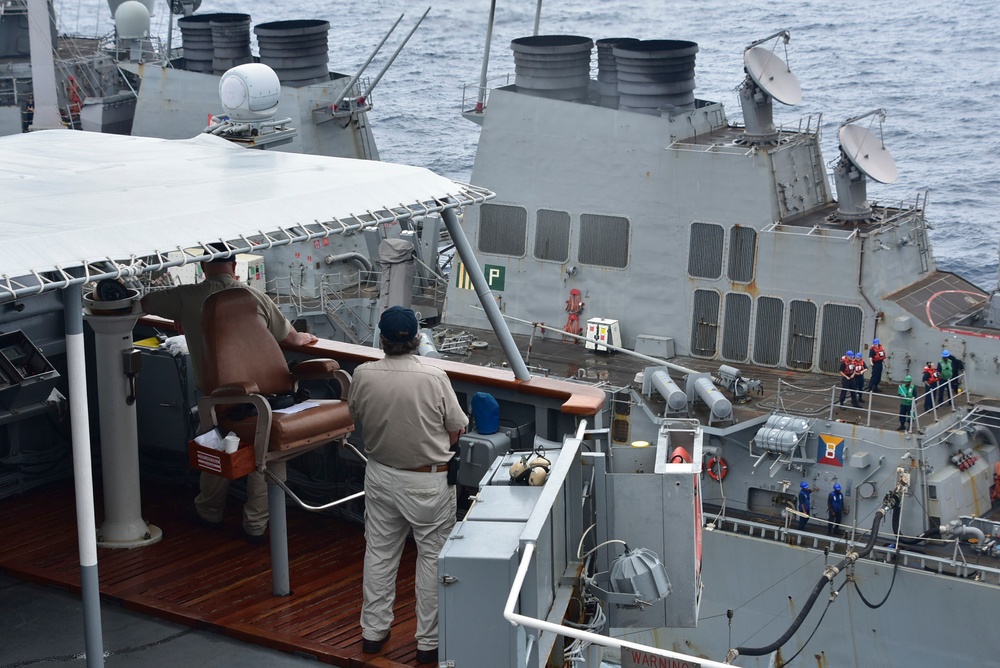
[
  {"x": 705, "y": 252},
  {"x": 604, "y": 240},
  {"x": 742, "y": 253},
  {"x": 552, "y": 235},
  {"x": 503, "y": 229}
]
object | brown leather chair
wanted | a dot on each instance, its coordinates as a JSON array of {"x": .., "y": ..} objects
[{"x": 243, "y": 364}]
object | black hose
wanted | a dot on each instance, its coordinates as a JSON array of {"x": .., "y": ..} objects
[
  {"x": 826, "y": 578},
  {"x": 876, "y": 606},
  {"x": 930, "y": 533},
  {"x": 820, "y": 621}
]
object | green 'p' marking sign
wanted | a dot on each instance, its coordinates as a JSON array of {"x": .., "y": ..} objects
[{"x": 495, "y": 277}]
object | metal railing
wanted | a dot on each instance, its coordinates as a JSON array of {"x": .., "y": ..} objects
[
  {"x": 795, "y": 400},
  {"x": 958, "y": 567},
  {"x": 927, "y": 416},
  {"x": 470, "y": 91},
  {"x": 561, "y": 500}
]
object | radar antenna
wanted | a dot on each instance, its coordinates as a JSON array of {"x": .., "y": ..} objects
[
  {"x": 250, "y": 94},
  {"x": 184, "y": 7},
  {"x": 132, "y": 26},
  {"x": 863, "y": 155},
  {"x": 768, "y": 77}
]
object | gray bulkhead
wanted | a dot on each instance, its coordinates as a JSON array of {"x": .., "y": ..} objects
[
  {"x": 673, "y": 227},
  {"x": 175, "y": 104}
]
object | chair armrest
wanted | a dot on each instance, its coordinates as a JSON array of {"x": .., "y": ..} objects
[
  {"x": 344, "y": 379},
  {"x": 210, "y": 420},
  {"x": 236, "y": 389},
  {"x": 316, "y": 369},
  {"x": 323, "y": 369}
]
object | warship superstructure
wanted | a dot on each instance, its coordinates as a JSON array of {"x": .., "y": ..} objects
[{"x": 633, "y": 216}]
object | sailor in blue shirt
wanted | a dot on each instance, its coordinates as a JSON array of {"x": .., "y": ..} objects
[
  {"x": 835, "y": 510},
  {"x": 804, "y": 504}
]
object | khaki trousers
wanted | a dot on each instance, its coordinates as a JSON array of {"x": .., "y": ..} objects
[
  {"x": 211, "y": 501},
  {"x": 396, "y": 502}
]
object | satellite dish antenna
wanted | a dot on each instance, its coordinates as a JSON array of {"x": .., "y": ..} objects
[
  {"x": 772, "y": 75},
  {"x": 768, "y": 77},
  {"x": 863, "y": 155},
  {"x": 184, "y": 7},
  {"x": 868, "y": 153}
]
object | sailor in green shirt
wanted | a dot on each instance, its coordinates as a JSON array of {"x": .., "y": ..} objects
[
  {"x": 950, "y": 368},
  {"x": 905, "y": 403}
]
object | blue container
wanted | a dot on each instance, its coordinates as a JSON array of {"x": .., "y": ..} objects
[{"x": 486, "y": 411}]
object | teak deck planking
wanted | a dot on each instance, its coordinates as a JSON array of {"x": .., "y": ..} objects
[{"x": 213, "y": 579}]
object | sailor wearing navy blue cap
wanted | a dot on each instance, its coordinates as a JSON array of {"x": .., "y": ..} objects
[
  {"x": 835, "y": 510},
  {"x": 877, "y": 356},
  {"x": 410, "y": 418},
  {"x": 805, "y": 504}
]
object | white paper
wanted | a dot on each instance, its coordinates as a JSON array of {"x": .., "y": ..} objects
[
  {"x": 211, "y": 439},
  {"x": 297, "y": 407}
]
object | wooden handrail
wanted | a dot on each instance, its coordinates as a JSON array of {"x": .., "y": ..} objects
[{"x": 576, "y": 399}]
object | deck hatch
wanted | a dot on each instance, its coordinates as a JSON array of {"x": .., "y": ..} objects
[
  {"x": 768, "y": 330},
  {"x": 801, "y": 334},
  {"x": 604, "y": 240},
  {"x": 742, "y": 253},
  {"x": 503, "y": 229},
  {"x": 705, "y": 323},
  {"x": 552, "y": 235},
  {"x": 705, "y": 253},
  {"x": 841, "y": 332},
  {"x": 736, "y": 332}
]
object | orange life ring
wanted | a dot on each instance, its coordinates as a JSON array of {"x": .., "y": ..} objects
[{"x": 717, "y": 468}]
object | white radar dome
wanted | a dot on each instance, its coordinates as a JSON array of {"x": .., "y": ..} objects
[
  {"x": 250, "y": 92},
  {"x": 150, "y": 5},
  {"x": 132, "y": 20}
]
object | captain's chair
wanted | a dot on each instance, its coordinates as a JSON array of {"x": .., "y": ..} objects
[{"x": 243, "y": 364}]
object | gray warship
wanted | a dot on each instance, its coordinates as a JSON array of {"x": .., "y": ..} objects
[
  {"x": 667, "y": 430},
  {"x": 640, "y": 218},
  {"x": 134, "y": 82}
]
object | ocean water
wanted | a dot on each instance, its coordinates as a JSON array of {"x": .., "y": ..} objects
[{"x": 934, "y": 67}]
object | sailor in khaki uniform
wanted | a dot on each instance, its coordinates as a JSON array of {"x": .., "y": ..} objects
[{"x": 409, "y": 417}]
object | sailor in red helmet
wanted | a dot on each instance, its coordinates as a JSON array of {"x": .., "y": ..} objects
[{"x": 877, "y": 356}]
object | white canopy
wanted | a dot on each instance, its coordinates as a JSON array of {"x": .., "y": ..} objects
[{"x": 71, "y": 199}]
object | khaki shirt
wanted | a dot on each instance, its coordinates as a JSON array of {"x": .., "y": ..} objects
[
  {"x": 183, "y": 304},
  {"x": 406, "y": 409}
]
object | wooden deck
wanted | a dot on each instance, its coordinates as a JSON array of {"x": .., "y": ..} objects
[{"x": 213, "y": 579}]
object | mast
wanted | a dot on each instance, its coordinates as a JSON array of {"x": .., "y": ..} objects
[{"x": 41, "y": 18}]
